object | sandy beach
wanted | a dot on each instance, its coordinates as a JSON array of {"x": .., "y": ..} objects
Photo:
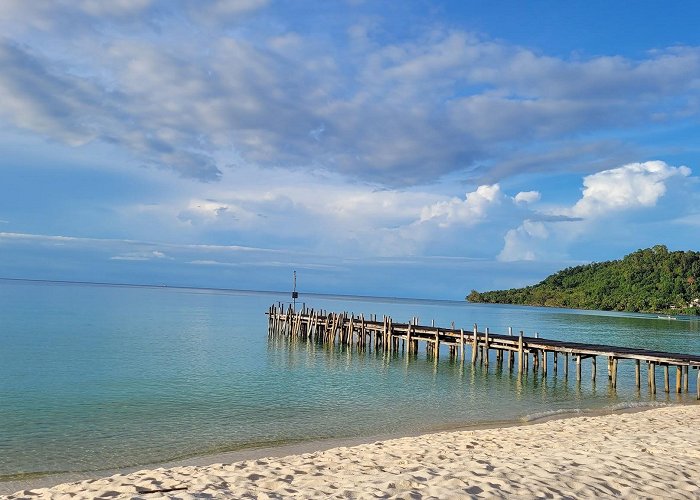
[{"x": 651, "y": 454}]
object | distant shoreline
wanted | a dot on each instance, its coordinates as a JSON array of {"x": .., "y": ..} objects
[{"x": 549, "y": 306}]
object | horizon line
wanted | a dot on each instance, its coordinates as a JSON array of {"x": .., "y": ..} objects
[{"x": 247, "y": 290}]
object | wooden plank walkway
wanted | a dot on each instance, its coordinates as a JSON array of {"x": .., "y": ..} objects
[{"x": 529, "y": 352}]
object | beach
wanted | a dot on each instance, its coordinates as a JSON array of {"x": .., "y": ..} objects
[{"x": 652, "y": 453}]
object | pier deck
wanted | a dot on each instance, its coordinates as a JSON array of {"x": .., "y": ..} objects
[{"x": 529, "y": 352}]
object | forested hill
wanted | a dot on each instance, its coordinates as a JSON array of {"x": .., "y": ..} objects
[{"x": 651, "y": 280}]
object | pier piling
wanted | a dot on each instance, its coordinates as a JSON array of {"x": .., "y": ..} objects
[{"x": 349, "y": 331}]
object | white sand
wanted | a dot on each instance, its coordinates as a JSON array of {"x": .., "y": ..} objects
[{"x": 653, "y": 454}]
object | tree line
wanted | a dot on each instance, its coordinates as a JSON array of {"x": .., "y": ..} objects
[{"x": 648, "y": 280}]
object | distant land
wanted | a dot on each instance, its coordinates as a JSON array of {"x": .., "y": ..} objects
[{"x": 651, "y": 280}]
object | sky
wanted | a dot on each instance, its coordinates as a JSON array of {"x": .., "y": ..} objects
[{"x": 410, "y": 149}]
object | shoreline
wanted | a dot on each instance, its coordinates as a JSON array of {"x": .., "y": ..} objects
[{"x": 326, "y": 445}]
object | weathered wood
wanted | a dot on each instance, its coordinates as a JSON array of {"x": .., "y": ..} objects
[
  {"x": 520, "y": 354},
  {"x": 408, "y": 335},
  {"x": 347, "y": 329},
  {"x": 485, "y": 355},
  {"x": 578, "y": 368},
  {"x": 535, "y": 360},
  {"x": 637, "y": 374},
  {"x": 437, "y": 343}
]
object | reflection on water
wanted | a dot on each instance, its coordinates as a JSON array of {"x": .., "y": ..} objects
[{"x": 107, "y": 377}]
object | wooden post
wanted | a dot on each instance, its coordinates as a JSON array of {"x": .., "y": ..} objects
[
  {"x": 679, "y": 377},
  {"x": 652, "y": 377},
  {"x": 667, "y": 389},
  {"x": 461, "y": 344},
  {"x": 544, "y": 363},
  {"x": 555, "y": 361},
  {"x": 610, "y": 362},
  {"x": 697, "y": 383},
  {"x": 364, "y": 333},
  {"x": 614, "y": 373},
  {"x": 578, "y": 368},
  {"x": 685, "y": 377},
  {"x": 485, "y": 356},
  {"x": 535, "y": 360},
  {"x": 408, "y": 336},
  {"x": 475, "y": 345},
  {"x": 527, "y": 361},
  {"x": 566, "y": 365},
  {"x": 637, "y": 374},
  {"x": 520, "y": 354},
  {"x": 593, "y": 368},
  {"x": 390, "y": 338},
  {"x": 437, "y": 343},
  {"x": 511, "y": 360}
]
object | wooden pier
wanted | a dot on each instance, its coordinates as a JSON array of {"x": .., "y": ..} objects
[{"x": 528, "y": 353}]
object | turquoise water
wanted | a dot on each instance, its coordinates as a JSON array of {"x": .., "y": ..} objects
[{"x": 101, "y": 377}]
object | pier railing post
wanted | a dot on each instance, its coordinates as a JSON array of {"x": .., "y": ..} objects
[
  {"x": 486, "y": 348},
  {"x": 520, "y": 354},
  {"x": 578, "y": 368}
]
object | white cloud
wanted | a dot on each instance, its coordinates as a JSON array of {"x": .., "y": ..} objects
[
  {"x": 605, "y": 194},
  {"x": 631, "y": 186},
  {"x": 141, "y": 256},
  {"x": 472, "y": 210},
  {"x": 520, "y": 243},
  {"x": 527, "y": 197},
  {"x": 184, "y": 94}
]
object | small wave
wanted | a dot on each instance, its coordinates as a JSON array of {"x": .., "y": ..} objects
[
  {"x": 572, "y": 412},
  {"x": 636, "y": 405},
  {"x": 532, "y": 417}
]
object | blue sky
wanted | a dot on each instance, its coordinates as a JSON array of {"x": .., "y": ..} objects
[{"x": 388, "y": 148}]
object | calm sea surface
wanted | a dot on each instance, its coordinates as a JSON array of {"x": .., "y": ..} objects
[{"x": 99, "y": 377}]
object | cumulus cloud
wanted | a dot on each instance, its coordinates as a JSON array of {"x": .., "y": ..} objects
[
  {"x": 605, "y": 194},
  {"x": 527, "y": 197},
  {"x": 520, "y": 243},
  {"x": 631, "y": 186},
  {"x": 471, "y": 210}
]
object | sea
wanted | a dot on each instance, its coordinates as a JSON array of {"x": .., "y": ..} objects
[{"x": 109, "y": 377}]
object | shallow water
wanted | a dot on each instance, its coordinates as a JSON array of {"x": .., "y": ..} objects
[{"x": 103, "y": 377}]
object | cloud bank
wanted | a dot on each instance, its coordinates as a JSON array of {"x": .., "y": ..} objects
[{"x": 174, "y": 86}]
